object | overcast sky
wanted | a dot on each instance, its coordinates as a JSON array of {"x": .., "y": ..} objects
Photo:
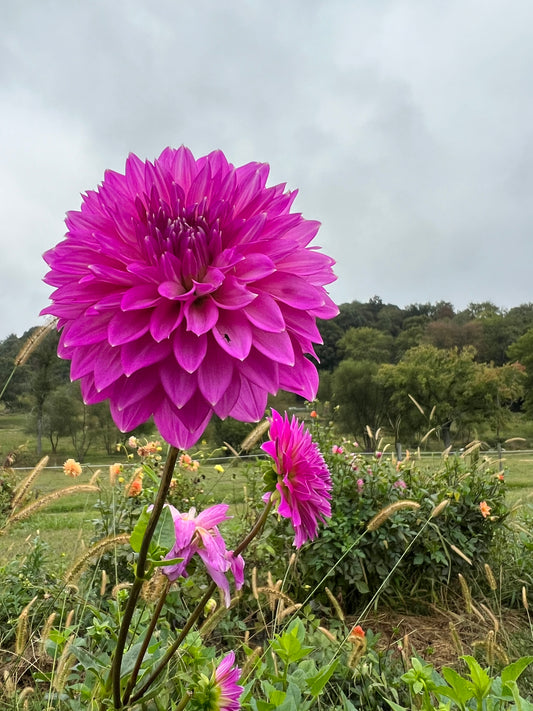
[{"x": 406, "y": 125}]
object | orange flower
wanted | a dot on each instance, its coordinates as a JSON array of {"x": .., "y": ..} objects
[
  {"x": 356, "y": 633},
  {"x": 484, "y": 508},
  {"x": 313, "y": 413},
  {"x": 72, "y": 468},
  {"x": 135, "y": 488},
  {"x": 501, "y": 477}
]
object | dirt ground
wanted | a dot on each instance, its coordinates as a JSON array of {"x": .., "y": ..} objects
[{"x": 440, "y": 637}]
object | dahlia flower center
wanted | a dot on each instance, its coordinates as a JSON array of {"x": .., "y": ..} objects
[{"x": 185, "y": 235}]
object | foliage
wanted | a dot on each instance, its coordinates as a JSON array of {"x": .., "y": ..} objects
[
  {"x": 410, "y": 545},
  {"x": 476, "y": 689}
]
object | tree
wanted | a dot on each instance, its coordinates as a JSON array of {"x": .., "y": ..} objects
[
  {"x": 437, "y": 380},
  {"x": 521, "y": 351},
  {"x": 366, "y": 343},
  {"x": 360, "y": 397}
]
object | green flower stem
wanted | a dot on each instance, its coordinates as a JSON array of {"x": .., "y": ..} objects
[
  {"x": 165, "y": 659},
  {"x": 257, "y": 528},
  {"x": 146, "y": 641},
  {"x": 185, "y": 700},
  {"x": 164, "y": 486}
]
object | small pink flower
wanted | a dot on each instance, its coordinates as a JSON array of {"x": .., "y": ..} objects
[
  {"x": 379, "y": 455},
  {"x": 226, "y": 689},
  {"x": 400, "y": 484},
  {"x": 199, "y": 534},
  {"x": 337, "y": 450},
  {"x": 360, "y": 485}
]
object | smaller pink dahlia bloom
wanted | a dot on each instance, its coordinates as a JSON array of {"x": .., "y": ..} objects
[
  {"x": 304, "y": 482},
  {"x": 226, "y": 690},
  {"x": 337, "y": 450},
  {"x": 200, "y": 534}
]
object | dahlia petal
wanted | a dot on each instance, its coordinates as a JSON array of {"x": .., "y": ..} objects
[
  {"x": 83, "y": 360},
  {"x": 275, "y": 345},
  {"x": 173, "y": 290},
  {"x": 126, "y": 326},
  {"x": 265, "y": 313},
  {"x": 85, "y": 331},
  {"x": 140, "y": 297},
  {"x": 251, "y": 405},
  {"x": 201, "y": 315},
  {"x": 328, "y": 309},
  {"x": 234, "y": 334},
  {"x": 213, "y": 515},
  {"x": 142, "y": 353},
  {"x": 303, "y": 377},
  {"x": 292, "y": 290},
  {"x": 130, "y": 417},
  {"x": 179, "y": 384},
  {"x": 254, "y": 266},
  {"x": 183, "y": 427},
  {"x": 261, "y": 370},
  {"x": 214, "y": 376},
  {"x": 107, "y": 365},
  {"x": 189, "y": 349},
  {"x": 227, "y": 401},
  {"x": 165, "y": 318},
  {"x": 233, "y": 295},
  {"x": 142, "y": 384}
]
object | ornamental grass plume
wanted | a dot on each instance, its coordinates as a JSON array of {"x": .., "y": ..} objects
[
  {"x": 186, "y": 287},
  {"x": 303, "y": 481}
]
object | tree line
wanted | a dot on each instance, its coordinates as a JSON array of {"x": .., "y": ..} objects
[
  {"x": 413, "y": 370},
  {"x": 427, "y": 368}
]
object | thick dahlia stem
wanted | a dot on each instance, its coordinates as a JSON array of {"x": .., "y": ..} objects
[
  {"x": 146, "y": 641},
  {"x": 140, "y": 572},
  {"x": 257, "y": 528}
]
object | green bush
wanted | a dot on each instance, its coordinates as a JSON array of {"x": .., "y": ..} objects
[{"x": 412, "y": 550}]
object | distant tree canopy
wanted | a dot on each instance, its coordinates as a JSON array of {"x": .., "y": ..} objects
[{"x": 463, "y": 368}]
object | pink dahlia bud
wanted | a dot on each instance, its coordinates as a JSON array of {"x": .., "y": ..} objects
[
  {"x": 304, "y": 482},
  {"x": 185, "y": 288}
]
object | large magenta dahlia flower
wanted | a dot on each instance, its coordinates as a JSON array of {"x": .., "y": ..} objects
[
  {"x": 185, "y": 288},
  {"x": 303, "y": 479}
]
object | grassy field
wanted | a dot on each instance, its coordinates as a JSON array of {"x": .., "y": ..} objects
[{"x": 66, "y": 523}]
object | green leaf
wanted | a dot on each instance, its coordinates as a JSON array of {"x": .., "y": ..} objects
[
  {"x": 512, "y": 671},
  {"x": 317, "y": 682},
  {"x": 480, "y": 678},
  {"x": 164, "y": 535},
  {"x": 463, "y": 689}
]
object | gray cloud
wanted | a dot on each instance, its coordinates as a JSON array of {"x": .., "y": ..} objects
[{"x": 405, "y": 125}]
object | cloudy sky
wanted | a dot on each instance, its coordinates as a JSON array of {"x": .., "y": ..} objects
[{"x": 407, "y": 126}]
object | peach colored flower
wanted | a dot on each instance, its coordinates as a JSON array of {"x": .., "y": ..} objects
[
  {"x": 313, "y": 413},
  {"x": 484, "y": 508},
  {"x": 135, "y": 488},
  {"x": 114, "y": 471},
  {"x": 72, "y": 468}
]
